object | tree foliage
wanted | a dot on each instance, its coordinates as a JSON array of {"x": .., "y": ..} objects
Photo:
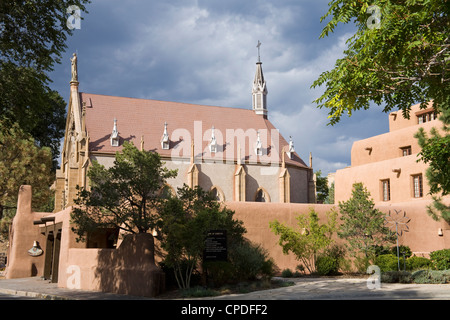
[
  {"x": 309, "y": 238},
  {"x": 404, "y": 61},
  {"x": 435, "y": 151},
  {"x": 22, "y": 163},
  {"x": 321, "y": 187},
  {"x": 184, "y": 225},
  {"x": 124, "y": 196},
  {"x": 32, "y": 39},
  {"x": 363, "y": 226}
]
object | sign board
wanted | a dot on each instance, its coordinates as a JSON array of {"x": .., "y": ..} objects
[{"x": 215, "y": 246}]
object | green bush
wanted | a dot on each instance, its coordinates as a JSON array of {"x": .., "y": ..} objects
[
  {"x": 287, "y": 273},
  {"x": 250, "y": 261},
  {"x": 440, "y": 259},
  {"x": 388, "y": 262},
  {"x": 396, "y": 277},
  {"x": 326, "y": 265},
  {"x": 403, "y": 251},
  {"x": 431, "y": 277},
  {"x": 418, "y": 263}
]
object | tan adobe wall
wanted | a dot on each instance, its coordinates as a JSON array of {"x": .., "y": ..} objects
[
  {"x": 371, "y": 174},
  {"x": 388, "y": 145},
  {"x": 397, "y": 121}
]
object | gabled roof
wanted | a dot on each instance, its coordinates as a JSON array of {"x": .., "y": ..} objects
[{"x": 137, "y": 118}]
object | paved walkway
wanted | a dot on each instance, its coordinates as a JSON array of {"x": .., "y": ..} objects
[{"x": 304, "y": 289}]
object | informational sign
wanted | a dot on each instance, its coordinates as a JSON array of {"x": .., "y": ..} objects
[{"x": 216, "y": 246}]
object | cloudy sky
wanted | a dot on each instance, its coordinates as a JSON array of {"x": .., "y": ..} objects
[{"x": 204, "y": 52}]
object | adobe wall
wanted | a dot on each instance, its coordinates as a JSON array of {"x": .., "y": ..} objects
[
  {"x": 387, "y": 145},
  {"x": 422, "y": 236},
  {"x": 397, "y": 121},
  {"x": 371, "y": 174}
]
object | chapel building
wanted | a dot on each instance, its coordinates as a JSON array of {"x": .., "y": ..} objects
[{"x": 236, "y": 153}]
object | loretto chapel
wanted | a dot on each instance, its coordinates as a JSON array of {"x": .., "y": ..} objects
[{"x": 235, "y": 153}]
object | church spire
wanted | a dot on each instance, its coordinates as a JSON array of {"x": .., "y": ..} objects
[{"x": 259, "y": 89}]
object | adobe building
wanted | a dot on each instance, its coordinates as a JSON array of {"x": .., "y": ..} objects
[{"x": 387, "y": 164}]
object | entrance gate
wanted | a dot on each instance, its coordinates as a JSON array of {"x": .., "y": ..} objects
[{"x": 52, "y": 235}]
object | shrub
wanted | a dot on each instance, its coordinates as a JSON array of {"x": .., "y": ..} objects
[
  {"x": 388, "y": 262},
  {"x": 327, "y": 265},
  {"x": 287, "y": 273},
  {"x": 431, "y": 277},
  {"x": 250, "y": 261},
  {"x": 396, "y": 277},
  {"x": 440, "y": 259},
  {"x": 403, "y": 251},
  {"x": 418, "y": 263}
]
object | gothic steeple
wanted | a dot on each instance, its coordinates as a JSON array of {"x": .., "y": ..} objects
[{"x": 259, "y": 90}]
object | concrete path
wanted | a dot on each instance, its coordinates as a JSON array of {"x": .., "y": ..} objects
[
  {"x": 347, "y": 289},
  {"x": 304, "y": 289}
]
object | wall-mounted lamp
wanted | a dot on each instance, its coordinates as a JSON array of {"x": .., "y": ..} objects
[
  {"x": 440, "y": 232},
  {"x": 35, "y": 250}
]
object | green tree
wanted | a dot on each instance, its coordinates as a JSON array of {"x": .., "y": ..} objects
[
  {"x": 330, "y": 198},
  {"x": 124, "y": 196},
  {"x": 309, "y": 239},
  {"x": 436, "y": 152},
  {"x": 32, "y": 39},
  {"x": 22, "y": 163},
  {"x": 184, "y": 225},
  {"x": 363, "y": 226},
  {"x": 321, "y": 187},
  {"x": 403, "y": 61}
]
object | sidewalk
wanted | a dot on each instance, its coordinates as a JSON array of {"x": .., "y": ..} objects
[
  {"x": 304, "y": 289},
  {"x": 39, "y": 288}
]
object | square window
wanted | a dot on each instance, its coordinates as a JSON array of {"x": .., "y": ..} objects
[{"x": 406, "y": 151}]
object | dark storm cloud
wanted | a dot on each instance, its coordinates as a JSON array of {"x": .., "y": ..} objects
[{"x": 205, "y": 52}]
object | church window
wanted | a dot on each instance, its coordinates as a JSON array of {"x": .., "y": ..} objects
[
  {"x": 217, "y": 194},
  {"x": 262, "y": 196},
  {"x": 166, "y": 192}
]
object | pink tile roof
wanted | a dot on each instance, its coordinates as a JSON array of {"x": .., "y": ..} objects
[{"x": 142, "y": 117}]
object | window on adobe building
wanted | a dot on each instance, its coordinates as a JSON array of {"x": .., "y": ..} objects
[
  {"x": 417, "y": 186},
  {"x": 386, "y": 190},
  {"x": 406, "y": 151},
  {"x": 429, "y": 116}
]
